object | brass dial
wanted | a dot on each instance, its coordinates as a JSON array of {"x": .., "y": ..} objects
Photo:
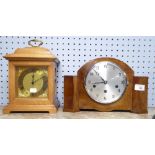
[{"x": 32, "y": 81}]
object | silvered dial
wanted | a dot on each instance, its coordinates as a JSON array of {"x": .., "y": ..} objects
[{"x": 105, "y": 82}]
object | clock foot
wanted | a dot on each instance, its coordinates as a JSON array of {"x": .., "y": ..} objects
[
  {"x": 29, "y": 108},
  {"x": 52, "y": 111},
  {"x": 6, "y": 110},
  {"x": 140, "y": 111}
]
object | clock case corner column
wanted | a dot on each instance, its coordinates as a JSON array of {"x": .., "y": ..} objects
[{"x": 71, "y": 100}]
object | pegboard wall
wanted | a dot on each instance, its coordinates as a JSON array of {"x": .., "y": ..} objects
[{"x": 73, "y": 52}]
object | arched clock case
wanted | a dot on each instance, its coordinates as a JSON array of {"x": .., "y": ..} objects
[{"x": 105, "y": 84}]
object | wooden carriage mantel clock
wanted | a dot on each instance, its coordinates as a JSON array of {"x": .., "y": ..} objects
[
  {"x": 105, "y": 84},
  {"x": 32, "y": 79}
]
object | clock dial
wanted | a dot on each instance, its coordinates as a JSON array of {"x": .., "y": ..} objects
[
  {"x": 32, "y": 81},
  {"x": 105, "y": 82}
]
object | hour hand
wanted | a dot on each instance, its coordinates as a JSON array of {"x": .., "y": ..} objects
[
  {"x": 105, "y": 82},
  {"x": 32, "y": 78},
  {"x": 97, "y": 82}
]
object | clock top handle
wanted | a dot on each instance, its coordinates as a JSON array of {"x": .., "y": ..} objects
[{"x": 30, "y": 42}]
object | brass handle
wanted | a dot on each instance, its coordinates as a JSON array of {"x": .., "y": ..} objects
[{"x": 35, "y": 41}]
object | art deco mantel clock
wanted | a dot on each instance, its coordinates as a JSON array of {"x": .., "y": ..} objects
[
  {"x": 32, "y": 79},
  {"x": 105, "y": 84}
]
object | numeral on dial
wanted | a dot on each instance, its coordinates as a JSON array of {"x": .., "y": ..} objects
[
  {"x": 89, "y": 82},
  {"x": 96, "y": 67},
  {"x": 105, "y": 66},
  {"x": 113, "y": 96},
  {"x": 91, "y": 73},
  {"x": 91, "y": 89},
  {"x": 123, "y": 82}
]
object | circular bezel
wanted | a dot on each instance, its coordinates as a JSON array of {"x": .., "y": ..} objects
[{"x": 120, "y": 96}]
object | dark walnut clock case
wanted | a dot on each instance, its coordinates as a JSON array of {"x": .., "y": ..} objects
[{"x": 76, "y": 97}]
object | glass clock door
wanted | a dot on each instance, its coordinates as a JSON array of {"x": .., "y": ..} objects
[{"x": 32, "y": 82}]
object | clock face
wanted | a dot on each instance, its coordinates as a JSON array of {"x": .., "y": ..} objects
[
  {"x": 32, "y": 82},
  {"x": 105, "y": 82}
]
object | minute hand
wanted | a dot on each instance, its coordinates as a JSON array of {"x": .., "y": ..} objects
[
  {"x": 38, "y": 79},
  {"x": 105, "y": 82}
]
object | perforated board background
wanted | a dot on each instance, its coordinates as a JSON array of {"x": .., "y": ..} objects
[{"x": 73, "y": 52}]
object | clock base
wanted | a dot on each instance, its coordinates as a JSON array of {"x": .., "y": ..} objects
[
  {"x": 72, "y": 103},
  {"x": 29, "y": 108}
]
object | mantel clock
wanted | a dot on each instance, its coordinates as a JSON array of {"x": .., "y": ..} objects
[
  {"x": 32, "y": 79},
  {"x": 105, "y": 84}
]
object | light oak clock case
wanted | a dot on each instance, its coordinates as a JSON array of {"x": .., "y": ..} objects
[
  {"x": 32, "y": 57},
  {"x": 76, "y": 97}
]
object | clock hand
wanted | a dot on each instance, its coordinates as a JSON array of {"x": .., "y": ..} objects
[
  {"x": 33, "y": 78},
  {"x": 105, "y": 82},
  {"x": 38, "y": 79}
]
